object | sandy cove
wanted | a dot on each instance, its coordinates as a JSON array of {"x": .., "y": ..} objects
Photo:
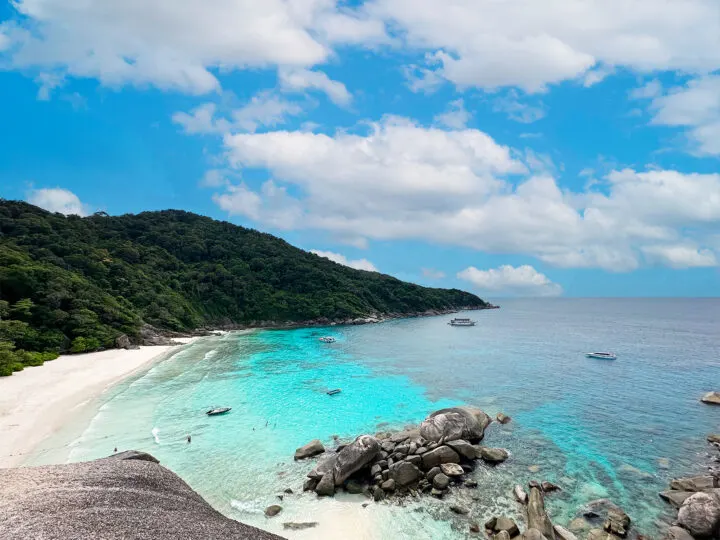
[{"x": 36, "y": 402}]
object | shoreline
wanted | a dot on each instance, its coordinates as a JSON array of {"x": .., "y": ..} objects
[{"x": 37, "y": 402}]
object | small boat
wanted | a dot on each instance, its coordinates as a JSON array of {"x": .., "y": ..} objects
[
  {"x": 219, "y": 410},
  {"x": 602, "y": 355},
  {"x": 333, "y": 392},
  {"x": 327, "y": 339},
  {"x": 461, "y": 322}
]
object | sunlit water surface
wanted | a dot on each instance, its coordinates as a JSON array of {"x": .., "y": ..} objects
[{"x": 617, "y": 429}]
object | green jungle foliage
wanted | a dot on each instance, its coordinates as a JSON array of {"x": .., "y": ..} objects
[{"x": 72, "y": 284}]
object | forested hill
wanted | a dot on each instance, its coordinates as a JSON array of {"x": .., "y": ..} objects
[{"x": 67, "y": 277}]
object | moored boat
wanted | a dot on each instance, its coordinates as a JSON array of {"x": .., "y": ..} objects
[
  {"x": 327, "y": 339},
  {"x": 218, "y": 410},
  {"x": 602, "y": 355},
  {"x": 461, "y": 322},
  {"x": 333, "y": 392}
]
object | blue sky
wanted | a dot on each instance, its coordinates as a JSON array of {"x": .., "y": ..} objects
[{"x": 510, "y": 148}]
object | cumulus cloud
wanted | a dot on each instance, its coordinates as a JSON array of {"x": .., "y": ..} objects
[
  {"x": 358, "y": 264},
  {"x": 177, "y": 45},
  {"x": 680, "y": 256},
  {"x": 518, "y": 111},
  {"x": 266, "y": 109},
  {"x": 530, "y": 44},
  {"x": 57, "y": 200},
  {"x": 522, "y": 281},
  {"x": 305, "y": 79},
  {"x": 460, "y": 187},
  {"x": 456, "y": 117},
  {"x": 695, "y": 106}
]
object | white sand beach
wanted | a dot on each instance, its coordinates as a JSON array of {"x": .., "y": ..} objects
[{"x": 38, "y": 401}]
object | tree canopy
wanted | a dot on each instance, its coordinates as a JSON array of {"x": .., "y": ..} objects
[{"x": 70, "y": 283}]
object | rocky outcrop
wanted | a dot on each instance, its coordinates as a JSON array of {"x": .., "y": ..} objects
[
  {"x": 354, "y": 457},
  {"x": 499, "y": 524},
  {"x": 562, "y": 533},
  {"x": 128, "y": 495},
  {"x": 442, "y": 454},
  {"x": 714, "y": 438},
  {"x": 273, "y": 510},
  {"x": 677, "y": 533},
  {"x": 676, "y": 498},
  {"x": 492, "y": 455},
  {"x": 537, "y": 516},
  {"x": 123, "y": 342},
  {"x": 503, "y": 418},
  {"x": 466, "y": 423},
  {"x": 695, "y": 483},
  {"x": 700, "y": 514},
  {"x": 313, "y": 448},
  {"x": 711, "y": 398},
  {"x": 520, "y": 495},
  {"x": 617, "y": 522}
]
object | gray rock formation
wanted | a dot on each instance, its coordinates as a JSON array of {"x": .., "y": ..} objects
[
  {"x": 492, "y": 455},
  {"x": 537, "y": 517},
  {"x": 405, "y": 474},
  {"x": 273, "y": 510},
  {"x": 440, "y": 481},
  {"x": 694, "y": 483},
  {"x": 502, "y": 418},
  {"x": 354, "y": 457},
  {"x": 463, "y": 448},
  {"x": 617, "y": 522},
  {"x": 677, "y": 533},
  {"x": 125, "y": 496},
  {"x": 451, "y": 469},
  {"x": 533, "y": 534},
  {"x": 700, "y": 515},
  {"x": 563, "y": 534},
  {"x": 711, "y": 398},
  {"x": 326, "y": 485},
  {"x": 499, "y": 524},
  {"x": 455, "y": 423},
  {"x": 313, "y": 448},
  {"x": 676, "y": 498},
  {"x": 520, "y": 495},
  {"x": 442, "y": 454}
]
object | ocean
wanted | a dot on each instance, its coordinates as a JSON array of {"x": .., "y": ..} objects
[{"x": 599, "y": 429}]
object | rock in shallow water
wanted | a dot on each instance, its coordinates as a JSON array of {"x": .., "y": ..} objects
[
  {"x": 677, "y": 533},
  {"x": 563, "y": 534},
  {"x": 452, "y": 469},
  {"x": 354, "y": 457},
  {"x": 440, "y": 481},
  {"x": 300, "y": 526},
  {"x": 273, "y": 510},
  {"x": 694, "y": 483},
  {"x": 492, "y": 455},
  {"x": 313, "y": 448},
  {"x": 454, "y": 423},
  {"x": 617, "y": 523},
  {"x": 537, "y": 518},
  {"x": 711, "y": 398},
  {"x": 502, "y": 418},
  {"x": 442, "y": 454},
  {"x": 700, "y": 514}
]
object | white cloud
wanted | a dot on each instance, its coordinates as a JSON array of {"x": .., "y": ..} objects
[
  {"x": 522, "y": 280},
  {"x": 456, "y": 117},
  {"x": 48, "y": 82},
  {"x": 57, "y": 200},
  {"x": 305, "y": 79},
  {"x": 358, "y": 264},
  {"x": 177, "y": 45},
  {"x": 649, "y": 90},
  {"x": 518, "y": 111},
  {"x": 531, "y": 44},
  {"x": 697, "y": 107},
  {"x": 431, "y": 273},
  {"x": 680, "y": 256},
  {"x": 460, "y": 187},
  {"x": 265, "y": 109}
]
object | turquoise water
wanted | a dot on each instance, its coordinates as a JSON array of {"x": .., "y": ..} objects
[{"x": 598, "y": 428}]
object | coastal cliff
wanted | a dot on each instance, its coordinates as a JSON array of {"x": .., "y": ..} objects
[{"x": 128, "y": 495}]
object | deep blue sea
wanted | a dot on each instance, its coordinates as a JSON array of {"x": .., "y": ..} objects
[{"x": 616, "y": 429}]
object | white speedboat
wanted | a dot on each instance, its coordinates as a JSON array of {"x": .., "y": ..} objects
[
  {"x": 461, "y": 322},
  {"x": 602, "y": 355},
  {"x": 327, "y": 339}
]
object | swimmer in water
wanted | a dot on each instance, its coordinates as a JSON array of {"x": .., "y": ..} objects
[{"x": 189, "y": 439}]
